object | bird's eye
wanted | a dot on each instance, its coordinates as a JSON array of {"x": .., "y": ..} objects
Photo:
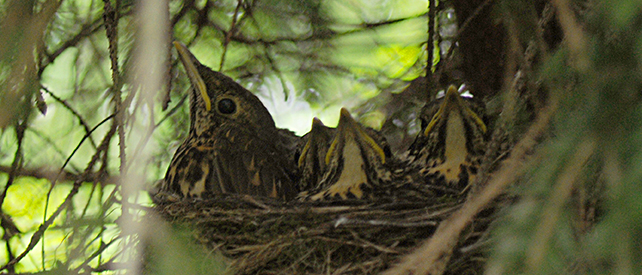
[{"x": 226, "y": 106}]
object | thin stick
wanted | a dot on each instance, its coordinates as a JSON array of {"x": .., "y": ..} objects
[
  {"x": 552, "y": 211},
  {"x": 433, "y": 255}
]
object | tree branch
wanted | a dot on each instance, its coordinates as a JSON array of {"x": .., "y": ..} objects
[{"x": 51, "y": 175}]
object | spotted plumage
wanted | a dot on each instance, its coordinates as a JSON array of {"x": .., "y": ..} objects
[
  {"x": 448, "y": 150},
  {"x": 356, "y": 164},
  {"x": 310, "y": 155},
  {"x": 233, "y": 145}
]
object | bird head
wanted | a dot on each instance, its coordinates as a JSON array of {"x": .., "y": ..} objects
[
  {"x": 310, "y": 156},
  {"x": 216, "y": 99},
  {"x": 452, "y": 139},
  {"x": 355, "y": 162}
]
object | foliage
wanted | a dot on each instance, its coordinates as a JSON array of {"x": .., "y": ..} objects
[
  {"x": 76, "y": 121},
  {"x": 576, "y": 212},
  {"x": 59, "y": 154}
]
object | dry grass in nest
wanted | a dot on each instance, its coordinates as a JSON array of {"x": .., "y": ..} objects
[{"x": 266, "y": 237}]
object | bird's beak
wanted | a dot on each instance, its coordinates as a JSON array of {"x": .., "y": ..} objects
[
  {"x": 453, "y": 101},
  {"x": 317, "y": 126},
  {"x": 189, "y": 62}
]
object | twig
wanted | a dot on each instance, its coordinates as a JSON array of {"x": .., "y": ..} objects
[
  {"x": 15, "y": 167},
  {"x": 85, "y": 137},
  {"x": 110, "y": 16},
  {"x": 35, "y": 238},
  {"x": 150, "y": 130},
  {"x": 373, "y": 245},
  {"x": 476, "y": 13},
  {"x": 405, "y": 224},
  {"x": 98, "y": 252},
  {"x": 51, "y": 175},
  {"x": 551, "y": 213},
  {"x": 433, "y": 255},
  {"x": 173, "y": 110},
  {"x": 73, "y": 112},
  {"x": 51, "y": 144},
  {"x": 230, "y": 32},
  {"x": 573, "y": 33},
  {"x": 274, "y": 67},
  {"x": 53, "y": 182},
  {"x": 17, "y": 159},
  {"x": 87, "y": 30}
]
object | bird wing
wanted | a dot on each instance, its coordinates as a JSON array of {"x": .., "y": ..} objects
[{"x": 249, "y": 166}]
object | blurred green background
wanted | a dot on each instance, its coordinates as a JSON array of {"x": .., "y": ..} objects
[{"x": 310, "y": 58}]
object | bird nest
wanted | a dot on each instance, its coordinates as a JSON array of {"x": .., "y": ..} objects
[{"x": 263, "y": 236}]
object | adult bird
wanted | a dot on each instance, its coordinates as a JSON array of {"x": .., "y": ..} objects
[
  {"x": 233, "y": 145},
  {"x": 447, "y": 151},
  {"x": 355, "y": 164}
]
